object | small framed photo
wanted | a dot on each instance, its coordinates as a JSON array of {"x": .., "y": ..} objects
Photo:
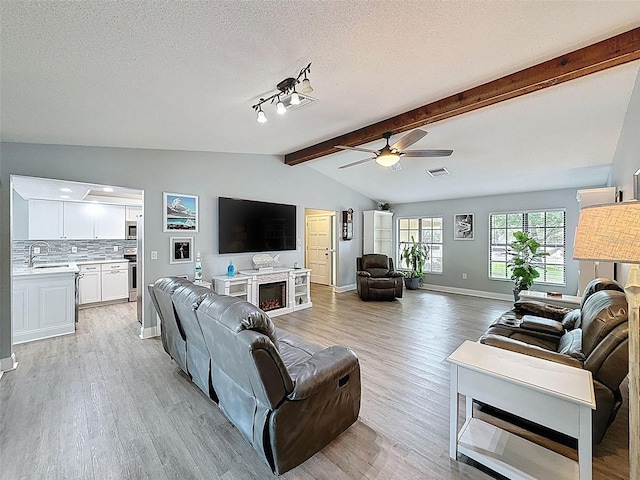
[
  {"x": 181, "y": 250},
  {"x": 463, "y": 226},
  {"x": 180, "y": 212}
]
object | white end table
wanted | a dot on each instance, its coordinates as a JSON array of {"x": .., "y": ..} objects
[
  {"x": 548, "y": 393},
  {"x": 568, "y": 301}
]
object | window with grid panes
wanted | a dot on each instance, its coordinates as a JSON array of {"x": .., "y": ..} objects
[
  {"x": 548, "y": 227},
  {"x": 427, "y": 230}
]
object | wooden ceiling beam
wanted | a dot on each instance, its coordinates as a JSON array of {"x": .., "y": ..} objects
[{"x": 600, "y": 56}]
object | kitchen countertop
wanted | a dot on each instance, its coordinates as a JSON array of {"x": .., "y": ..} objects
[
  {"x": 93, "y": 262},
  {"x": 51, "y": 268}
]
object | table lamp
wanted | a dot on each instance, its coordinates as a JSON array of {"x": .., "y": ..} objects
[{"x": 611, "y": 233}]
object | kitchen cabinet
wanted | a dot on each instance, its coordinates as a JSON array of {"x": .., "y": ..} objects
[
  {"x": 115, "y": 281},
  {"x": 79, "y": 220},
  {"x": 133, "y": 212},
  {"x": 90, "y": 284},
  {"x": 110, "y": 222},
  {"x": 45, "y": 220}
]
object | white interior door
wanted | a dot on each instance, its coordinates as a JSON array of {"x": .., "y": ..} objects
[{"x": 319, "y": 251}]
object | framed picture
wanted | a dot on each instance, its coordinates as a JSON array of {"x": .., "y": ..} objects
[
  {"x": 180, "y": 212},
  {"x": 463, "y": 226},
  {"x": 181, "y": 250}
]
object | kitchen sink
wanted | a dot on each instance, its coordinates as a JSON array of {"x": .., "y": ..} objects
[{"x": 52, "y": 265}]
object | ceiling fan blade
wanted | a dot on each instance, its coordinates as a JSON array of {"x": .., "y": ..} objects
[
  {"x": 359, "y": 149},
  {"x": 357, "y": 163},
  {"x": 409, "y": 139},
  {"x": 427, "y": 153}
]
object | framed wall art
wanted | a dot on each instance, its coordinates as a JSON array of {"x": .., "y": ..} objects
[
  {"x": 463, "y": 226},
  {"x": 181, "y": 250},
  {"x": 180, "y": 212}
]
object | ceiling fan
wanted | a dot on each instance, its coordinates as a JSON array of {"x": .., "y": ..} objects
[{"x": 389, "y": 155}]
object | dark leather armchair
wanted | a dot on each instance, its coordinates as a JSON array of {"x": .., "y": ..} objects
[
  {"x": 377, "y": 279},
  {"x": 598, "y": 342}
]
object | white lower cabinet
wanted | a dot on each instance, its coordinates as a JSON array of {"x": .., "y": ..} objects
[
  {"x": 90, "y": 284},
  {"x": 103, "y": 282}
]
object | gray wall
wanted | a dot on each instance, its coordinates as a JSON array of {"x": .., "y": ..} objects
[
  {"x": 471, "y": 257},
  {"x": 209, "y": 175}
]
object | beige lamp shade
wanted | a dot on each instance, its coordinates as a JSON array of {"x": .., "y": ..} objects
[{"x": 609, "y": 233}]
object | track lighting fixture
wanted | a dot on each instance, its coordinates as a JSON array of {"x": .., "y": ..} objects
[{"x": 285, "y": 87}]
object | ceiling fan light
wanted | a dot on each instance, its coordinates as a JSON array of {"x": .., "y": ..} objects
[
  {"x": 295, "y": 98},
  {"x": 262, "y": 118},
  {"x": 306, "y": 86},
  {"x": 387, "y": 159},
  {"x": 280, "y": 108}
]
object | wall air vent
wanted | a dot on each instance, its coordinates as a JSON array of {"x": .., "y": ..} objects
[
  {"x": 438, "y": 172},
  {"x": 304, "y": 101}
]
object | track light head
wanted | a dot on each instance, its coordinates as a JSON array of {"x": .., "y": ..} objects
[
  {"x": 280, "y": 108},
  {"x": 306, "y": 86},
  {"x": 285, "y": 87},
  {"x": 262, "y": 118},
  {"x": 295, "y": 98}
]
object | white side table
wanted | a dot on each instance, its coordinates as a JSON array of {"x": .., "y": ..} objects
[
  {"x": 568, "y": 301},
  {"x": 548, "y": 393}
]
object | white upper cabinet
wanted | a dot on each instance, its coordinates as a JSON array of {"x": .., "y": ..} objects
[
  {"x": 133, "y": 213},
  {"x": 79, "y": 220},
  {"x": 110, "y": 222},
  {"x": 45, "y": 220}
]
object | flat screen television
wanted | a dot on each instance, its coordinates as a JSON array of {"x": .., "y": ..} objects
[{"x": 251, "y": 226}]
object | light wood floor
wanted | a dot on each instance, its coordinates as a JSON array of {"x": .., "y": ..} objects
[{"x": 102, "y": 404}]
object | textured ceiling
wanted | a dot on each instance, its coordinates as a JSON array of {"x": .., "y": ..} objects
[{"x": 183, "y": 75}]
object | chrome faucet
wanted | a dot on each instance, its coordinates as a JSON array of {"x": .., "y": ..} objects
[{"x": 31, "y": 248}]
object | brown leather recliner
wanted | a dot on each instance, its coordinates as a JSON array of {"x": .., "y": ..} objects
[
  {"x": 376, "y": 278},
  {"x": 598, "y": 343}
]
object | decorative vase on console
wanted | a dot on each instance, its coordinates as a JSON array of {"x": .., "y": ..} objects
[
  {"x": 197, "y": 276},
  {"x": 231, "y": 270}
]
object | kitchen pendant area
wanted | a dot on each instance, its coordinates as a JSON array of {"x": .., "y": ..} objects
[{"x": 82, "y": 236}]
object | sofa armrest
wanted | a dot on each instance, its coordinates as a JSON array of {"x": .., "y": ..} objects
[
  {"x": 394, "y": 273},
  {"x": 325, "y": 367},
  {"x": 531, "y": 350},
  {"x": 362, "y": 273},
  {"x": 543, "y": 325}
]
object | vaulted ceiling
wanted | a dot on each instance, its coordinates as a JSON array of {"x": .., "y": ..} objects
[{"x": 183, "y": 76}]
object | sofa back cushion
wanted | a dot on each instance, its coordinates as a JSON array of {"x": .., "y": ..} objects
[
  {"x": 598, "y": 284},
  {"x": 602, "y": 312},
  {"x": 376, "y": 264}
]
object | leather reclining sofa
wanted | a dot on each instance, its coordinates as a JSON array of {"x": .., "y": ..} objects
[
  {"x": 594, "y": 337},
  {"x": 376, "y": 279},
  {"x": 289, "y": 398}
]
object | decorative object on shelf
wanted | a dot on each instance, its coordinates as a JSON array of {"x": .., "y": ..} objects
[
  {"x": 286, "y": 95},
  {"x": 385, "y": 207},
  {"x": 198, "y": 269},
  {"x": 181, "y": 250},
  {"x": 525, "y": 259},
  {"x": 463, "y": 226},
  {"x": 180, "y": 212},
  {"x": 264, "y": 262},
  {"x": 414, "y": 256},
  {"x": 347, "y": 224},
  {"x": 611, "y": 233},
  {"x": 231, "y": 269},
  {"x": 296, "y": 265}
]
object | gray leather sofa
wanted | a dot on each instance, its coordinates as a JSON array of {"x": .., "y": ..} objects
[
  {"x": 289, "y": 398},
  {"x": 594, "y": 337}
]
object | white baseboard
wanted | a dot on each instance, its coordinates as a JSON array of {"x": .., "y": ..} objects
[
  {"x": 149, "y": 332},
  {"x": 8, "y": 364},
  {"x": 345, "y": 288},
  {"x": 466, "y": 291}
]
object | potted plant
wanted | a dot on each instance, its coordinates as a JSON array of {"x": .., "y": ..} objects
[
  {"x": 524, "y": 260},
  {"x": 414, "y": 256}
]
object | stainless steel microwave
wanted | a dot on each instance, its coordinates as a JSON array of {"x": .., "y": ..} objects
[{"x": 132, "y": 230}]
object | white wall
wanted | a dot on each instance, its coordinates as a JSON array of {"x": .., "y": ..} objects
[
  {"x": 208, "y": 175},
  {"x": 471, "y": 256}
]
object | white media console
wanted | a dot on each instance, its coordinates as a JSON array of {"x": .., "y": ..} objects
[{"x": 276, "y": 291}]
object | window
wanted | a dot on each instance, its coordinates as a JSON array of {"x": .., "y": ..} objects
[
  {"x": 427, "y": 230},
  {"x": 548, "y": 227}
]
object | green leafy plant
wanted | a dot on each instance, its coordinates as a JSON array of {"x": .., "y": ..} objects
[
  {"x": 525, "y": 259},
  {"x": 385, "y": 207},
  {"x": 414, "y": 256}
]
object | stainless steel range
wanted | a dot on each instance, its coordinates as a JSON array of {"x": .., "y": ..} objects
[{"x": 131, "y": 254}]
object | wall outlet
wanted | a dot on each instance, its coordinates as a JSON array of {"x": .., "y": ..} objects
[
  {"x": 115, "y": 248},
  {"x": 464, "y": 276},
  {"x": 36, "y": 250},
  {"x": 154, "y": 255},
  {"x": 74, "y": 249}
]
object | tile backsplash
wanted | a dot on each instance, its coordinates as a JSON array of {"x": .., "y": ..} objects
[{"x": 60, "y": 250}]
